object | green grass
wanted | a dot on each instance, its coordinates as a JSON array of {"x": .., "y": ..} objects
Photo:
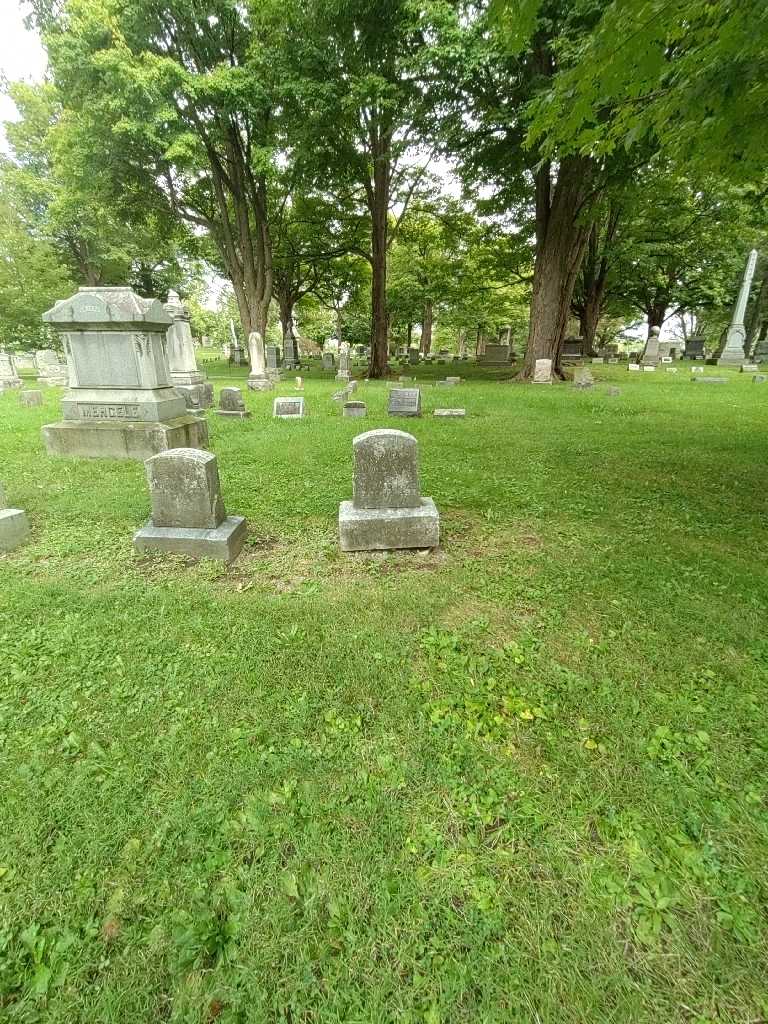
[{"x": 519, "y": 779}]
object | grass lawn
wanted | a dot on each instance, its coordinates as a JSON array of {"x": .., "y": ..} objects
[{"x": 519, "y": 779}]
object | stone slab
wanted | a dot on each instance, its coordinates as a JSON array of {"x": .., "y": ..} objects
[
  {"x": 634, "y": 367},
  {"x": 131, "y": 440},
  {"x": 404, "y": 402},
  {"x": 355, "y": 410},
  {"x": 388, "y": 529},
  {"x": 709, "y": 380},
  {"x": 260, "y": 384},
  {"x": 14, "y": 528},
  {"x": 223, "y": 544},
  {"x": 288, "y": 408},
  {"x": 749, "y": 367},
  {"x": 448, "y": 413}
]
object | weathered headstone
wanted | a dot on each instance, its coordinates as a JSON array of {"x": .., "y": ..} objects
[
  {"x": 290, "y": 350},
  {"x": 231, "y": 403},
  {"x": 633, "y": 367},
  {"x": 613, "y": 360},
  {"x": 49, "y": 370},
  {"x": 749, "y": 368},
  {"x": 495, "y": 355},
  {"x": 613, "y": 392},
  {"x": 328, "y": 361},
  {"x": 352, "y": 387},
  {"x": 9, "y": 377},
  {"x": 651, "y": 352},
  {"x": 120, "y": 402},
  {"x": 257, "y": 378},
  {"x": 582, "y": 377},
  {"x": 355, "y": 410},
  {"x": 387, "y": 511},
  {"x": 14, "y": 526},
  {"x": 413, "y": 356},
  {"x": 288, "y": 408},
  {"x": 694, "y": 348},
  {"x": 185, "y": 376},
  {"x": 760, "y": 378},
  {"x": 542, "y": 371},
  {"x": 299, "y": 383},
  {"x": 649, "y": 369},
  {"x": 344, "y": 373},
  {"x": 697, "y": 369},
  {"x": 31, "y": 398},
  {"x": 667, "y": 359},
  {"x": 453, "y": 380},
  {"x": 709, "y": 380},
  {"x": 598, "y": 359},
  {"x": 341, "y": 396},
  {"x": 573, "y": 348},
  {"x": 733, "y": 351},
  {"x": 188, "y": 515},
  {"x": 450, "y": 413},
  {"x": 671, "y": 369},
  {"x": 206, "y": 341},
  {"x": 404, "y": 402},
  {"x": 272, "y": 354}
]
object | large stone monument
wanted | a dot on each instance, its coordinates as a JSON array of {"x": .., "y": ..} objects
[
  {"x": 387, "y": 511},
  {"x": 120, "y": 402},
  {"x": 258, "y": 379},
  {"x": 733, "y": 350},
  {"x": 188, "y": 515},
  {"x": 185, "y": 376},
  {"x": 9, "y": 377},
  {"x": 344, "y": 372},
  {"x": 14, "y": 528},
  {"x": 651, "y": 351},
  {"x": 290, "y": 348}
]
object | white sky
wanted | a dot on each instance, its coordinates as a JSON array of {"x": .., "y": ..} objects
[{"x": 21, "y": 55}]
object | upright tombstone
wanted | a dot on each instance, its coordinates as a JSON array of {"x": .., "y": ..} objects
[
  {"x": 694, "y": 348},
  {"x": 404, "y": 402},
  {"x": 542, "y": 371},
  {"x": 387, "y": 511},
  {"x": 573, "y": 348},
  {"x": 188, "y": 515},
  {"x": 9, "y": 377},
  {"x": 651, "y": 351},
  {"x": 355, "y": 410},
  {"x": 582, "y": 377},
  {"x": 495, "y": 355},
  {"x": 733, "y": 350},
  {"x": 328, "y": 361},
  {"x": 413, "y": 357},
  {"x": 231, "y": 404},
  {"x": 49, "y": 370},
  {"x": 120, "y": 402},
  {"x": 257, "y": 378},
  {"x": 344, "y": 372},
  {"x": 272, "y": 353},
  {"x": 185, "y": 376},
  {"x": 665, "y": 350},
  {"x": 288, "y": 408},
  {"x": 31, "y": 398},
  {"x": 290, "y": 349},
  {"x": 206, "y": 342},
  {"x": 14, "y": 527}
]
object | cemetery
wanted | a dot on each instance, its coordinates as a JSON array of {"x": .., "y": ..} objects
[{"x": 349, "y": 673}]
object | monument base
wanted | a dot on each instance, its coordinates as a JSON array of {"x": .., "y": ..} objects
[
  {"x": 734, "y": 359},
  {"x": 223, "y": 544},
  {"x": 388, "y": 529},
  {"x": 14, "y": 528},
  {"x": 133, "y": 439},
  {"x": 260, "y": 384}
]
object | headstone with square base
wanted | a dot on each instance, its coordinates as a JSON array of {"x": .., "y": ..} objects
[
  {"x": 354, "y": 410},
  {"x": 288, "y": 408},
  {"x": 404, "y": 402},
  {"x": 9, "y": 377},
  {"x": 651, "y": 351},
  {"x": 749, "y": 368},
  {"x": 649, "y": 369},
  {"x": 344, "y": 372},
  {"x": 542, "y": 371},
  {"x": 31, "y": 398},
  {"x": 413, "y": 357},
  {"x": 14, "y": 527},
  {"x": 231, "y": 404},
  {"x": 272, "y": 354},
  {"x": 290, "y": 350},
  {"x": 182, "y": 363},
  {"x": 694, "y": 348},
  {"x": 120, "y": 402},
  {"x": 573, "y": 348},
  {"x": 258, "y": 380},
  {"x": 387, "y": 511},
  {"x": 188, "y": 515}
]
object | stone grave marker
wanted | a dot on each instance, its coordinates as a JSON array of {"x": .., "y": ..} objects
[
  {"x": 453, "y": 380},
  {"x": 450, "y": 413},
  {"x": 258, "y": 378},
  {"x": 667, "y": 359},
  {"x": 9, "y": 377},
  {"x": 613, "y": 392},
  {"x": 613, "y": 360},
  {"x": 697, "y": 369},
  {"x": 387, "y": 511},
  {"x": 649, "y": 369},
  {"x": 231, "y": 403},
  {"x": 598, "y": 359},
  {"x": 413, "y": 356},
  {"x": 352, "y": 387},
  {"x": 188, "y": 514},
  {"x": 671, "y": 369},
  {"x": 709, "y": 380},
  {"x": 14, "y": 526},
  {"x": 288, "y": 408},
  {"x": 733, "y": 350},
  {"x": 340, "y": 396},
  {"x": 633, "y": 367},
  {"x": 343, "y": 372},
  {"x": 328, "y": 361},
  {"x": 355, "y": 410},
  {"x": 49, "y": 370},
  {"x": 272, "y": 354},
  {"x": 651, "y": 352},
  {"x": 31, "y": 398},
  {"x": 299, "y": 383},
  {"x": 182, "y": 363},
  {"x": 404, "y": 402},
  {"x": 120, "y": 402},
  {"x": 582, "y": 377},
  {"x": 760, "y": 378},
  {"x": 749, "y": 368},
  {"x": 542, "y": 371}
]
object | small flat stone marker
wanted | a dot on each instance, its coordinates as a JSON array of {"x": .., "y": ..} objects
[
  {"x": 598, "y": 359},
  {"x": 649, "y": 369},
  {"x": 697, "y": 369},
  {"x": 709, "y": 380},
  {"x": 749, "y": 368},
  {"x": 404, "y": 402},
  {"x": 14, "y": 526},
  {"x": 667, "y": 359},
  {"x": 613, "y": 392},
  {"x": 31, "y": 398},
  {"x": 453, "y": 380},
  {"x": 446, "y": 413},
  {"x": 188, "y": 515},
  {"x": 355, "y": 410},
  {"x": 670, "y": 369},
  {"x": 633, "y": 367},
  {"x": 387, "y": 512},
  {"x": 542, "y": 371},
  {"x": 288, "y": 408},
  {"x": 231, "y": 403}
]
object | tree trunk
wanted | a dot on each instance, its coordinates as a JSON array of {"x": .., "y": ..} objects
[
  {"x": 426, "y": 329},
  {"x": 562, "y": 230},
  {"x": 378, "y": 195},
  {"x": 589, "y": 318},
  {"x": 409, "y": 335}
]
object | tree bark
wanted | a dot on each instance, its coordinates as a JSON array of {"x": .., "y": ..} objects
[
  {"x": 378, "y": 201},
  {"x": 426, "y": 329},
  {"x": 562, "y": 230}
]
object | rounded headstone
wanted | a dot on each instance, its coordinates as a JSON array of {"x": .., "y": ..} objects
[{"x": 386, "y": 470}]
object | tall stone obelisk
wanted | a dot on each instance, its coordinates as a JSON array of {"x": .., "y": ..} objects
[{"x": 733, "y": 351}]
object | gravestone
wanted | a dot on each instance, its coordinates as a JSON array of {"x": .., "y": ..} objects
[
  {"x": 387, "y": 511},
  {"x": 450, "y": 413},
  {"x": 272, "y": 354},
  {"x": 290, "y": 350},
  {"x": 542, "y": 371},
  {"x": 697, "y": 369},
  {"x": 404, "y": 402},
  {"x": 413, "y": 356},
  {"x": 694, "y": 348},
  {"x": 749, "y": 368},
  {"x": 355, "y": 410},
  {"x": 231, "y": 403},
  {"x": 328, "y": 361},
  {"x": 649, "y": 369},
  {"x": 9, "y": 377},
  {"x": 299, "y": 383},
  {"x": 206, "y": 341},
  {"x": 733, "y": 350},
  {"x": 598, "y": 359},
  {"x": 352, "y": 387},
  {"x": 453, "y": 380},
  {"x": 258, "y": 380},
  {"x": 343, "y": 374},
  {"x": 613, "y": 360},
  {"x": 760, "y": 378},
  {"x": 651, "y": 351},
  {"x": 671, "y": 369},
  {"x": 445, "y": 384},
  {"x": 634, "y": 367},
  {"x": 573, "y": 348},
  {"x": 341, "y": 396},
  {"x": 709, "y": 380},
  {"x": 667, "y": 359},
  {"x": 49, "y": 370},
  {"x": 185, "y": 376},
  {"x": 31, "y": 398},
  {"x": 14, "y": 526},
  {"x": 188, "y": 514},
  {"x": 613, "y": 392},
  {"x": 495, "y": 355},
  {"x": 288, "y": 408},
  {"x": 582, "y": 377},
  {"x": 120, "y": 402},
  {"x": 665, "y": 351}
]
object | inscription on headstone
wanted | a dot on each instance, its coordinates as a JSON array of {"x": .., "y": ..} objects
[
  {"x": 288, "y": 408},
  {"x": 404, "y": 402}
]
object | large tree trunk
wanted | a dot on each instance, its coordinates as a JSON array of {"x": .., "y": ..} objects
[
  {"x": 378, "y": 199},
  {"x": 589, "y": 318},
  {"x": 562, "y": 229},
  {"x": 426, "y": 329}
]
